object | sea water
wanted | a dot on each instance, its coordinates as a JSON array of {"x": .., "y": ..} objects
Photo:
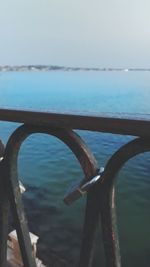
[{"x": 48, "y": 168}]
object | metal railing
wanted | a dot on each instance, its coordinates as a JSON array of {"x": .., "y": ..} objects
[{"x": 98, "y": 184}]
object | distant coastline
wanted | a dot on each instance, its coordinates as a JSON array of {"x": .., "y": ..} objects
[{"x": 62, "y": 68}]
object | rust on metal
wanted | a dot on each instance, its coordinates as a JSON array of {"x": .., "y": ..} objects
[
  {"x": 108, "y": 208},
  {"x": 4, "y": 209},
  {"x": 100, "y": 194},
  {"x": 125, "y": 126},
  {"x": 72, "y": 140}
]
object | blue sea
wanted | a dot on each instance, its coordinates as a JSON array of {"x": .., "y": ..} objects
[{"x": 48, "y": 169}]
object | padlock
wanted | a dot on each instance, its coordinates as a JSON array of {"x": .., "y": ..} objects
[{"x": 82, "y": 188}]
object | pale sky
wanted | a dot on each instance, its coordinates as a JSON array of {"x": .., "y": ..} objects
[{"x": 86, "y": 33}]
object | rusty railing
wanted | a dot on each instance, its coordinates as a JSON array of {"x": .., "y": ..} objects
[{"x": 99, "y": 184}]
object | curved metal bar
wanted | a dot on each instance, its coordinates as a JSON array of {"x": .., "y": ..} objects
[
  {"x": 2, "y": 149},
  {"x": 107, "y": 190},
  {"x": 4, "y": 210},
  {"x": 73, "y": 141}
]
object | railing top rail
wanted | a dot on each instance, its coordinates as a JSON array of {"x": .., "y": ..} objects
[{"x": 125, "y": 126}]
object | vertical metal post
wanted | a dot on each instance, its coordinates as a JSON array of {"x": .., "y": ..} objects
[
  {"x": 90, "y": 228},
  {"x": 109, "y": 226},
  {"x": 4, "y": 210},
  {"x": 18, "y": 213}
]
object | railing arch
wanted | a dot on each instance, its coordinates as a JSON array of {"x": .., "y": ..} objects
[
  {"x": 108, "y": 209},
  {"x": 101, "y": 191},
  {"x": 79, "y": 149}
]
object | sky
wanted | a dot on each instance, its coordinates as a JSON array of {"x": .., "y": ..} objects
[{"x": 85, "y": 33}]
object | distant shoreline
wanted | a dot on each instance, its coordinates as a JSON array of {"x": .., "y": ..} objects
[{"x": 62, "y": 68}]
